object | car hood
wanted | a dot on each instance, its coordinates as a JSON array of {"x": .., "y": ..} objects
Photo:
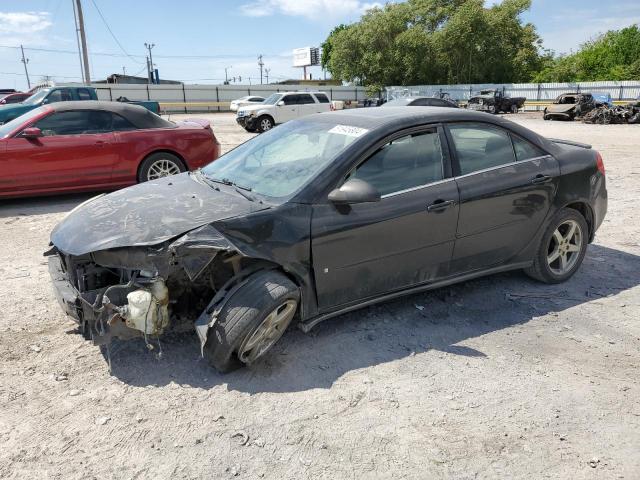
[
  {"x": 147, "y": 214},
  {"x": 13, "y": 110},
  {"x": 253, "y": 107},
  {"x": 561, "y": 108}
]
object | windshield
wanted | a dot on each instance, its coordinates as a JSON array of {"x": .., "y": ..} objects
[
  {"x": 272, "y": 99},
  {"x": 36, "y": 98},
  {"x": 279, "y": 162},
  {"x": 9, "y": 127}
]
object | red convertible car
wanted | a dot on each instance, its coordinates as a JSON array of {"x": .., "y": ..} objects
[
  {"x": 14, "y": 98},
  {"x": 93, "y": 145}
]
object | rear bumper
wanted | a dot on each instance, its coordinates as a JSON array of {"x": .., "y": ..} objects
[{"x": 600, "y": 203}]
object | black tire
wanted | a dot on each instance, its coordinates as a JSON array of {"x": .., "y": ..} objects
[
  {"x": 493, "y": 109},
  {"x": 541, "y": 270},
  {"x": 243, "y": 314},
  {"x": 514, "y": 108},
  {"x": 546, "y": 117},
  {"x": 265, "y": 123},
  {"x": 150, "y": 166}
]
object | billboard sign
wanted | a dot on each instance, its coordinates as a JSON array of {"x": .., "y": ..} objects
[{"x": 305, "y": 57}]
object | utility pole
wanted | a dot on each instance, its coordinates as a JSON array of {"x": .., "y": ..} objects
[
  {"x": 83, "y": 41},
  {"x": 124, "y": 71},
  {"x": 149, "y": 47},
  {"x": 148, "y": 70},
  {"x": 266, "y": 72},
  {"x": 260, "y": 64},
  {"x": 226, "y": 76},
  {"x": 26, "y": 72}
]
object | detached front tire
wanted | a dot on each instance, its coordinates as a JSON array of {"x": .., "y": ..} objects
[
  {"x": 561, "y": 249},
  {"x": 252, "y": 321}
]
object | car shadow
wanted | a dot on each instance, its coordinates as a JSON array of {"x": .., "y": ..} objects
[
  {"x": 437, "y": 320},
  {"x": 43, "y": 205}
]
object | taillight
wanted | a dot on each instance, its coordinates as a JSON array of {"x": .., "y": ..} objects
[{"x": 599, "y": 163}]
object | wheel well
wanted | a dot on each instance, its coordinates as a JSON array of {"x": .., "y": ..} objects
[
  {"x": 585, "y": 211},
  {"x": 175, "y": 154},
  {"x": 267, "y": 115}
]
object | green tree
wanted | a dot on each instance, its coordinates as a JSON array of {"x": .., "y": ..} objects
[
  {"x": 436, "y": 41},
  {"x": 614, "y": 55}
]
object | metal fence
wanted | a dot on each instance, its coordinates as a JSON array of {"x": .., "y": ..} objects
[
  {"x": 538, "y": 94},
  {"x": 213, "y": 98}
]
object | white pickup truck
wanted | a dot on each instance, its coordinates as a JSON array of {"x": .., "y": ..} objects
[{"x": 280, "y": 108}]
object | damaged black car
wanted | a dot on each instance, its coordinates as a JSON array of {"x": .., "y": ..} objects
[{"x": 321, "y": 216}]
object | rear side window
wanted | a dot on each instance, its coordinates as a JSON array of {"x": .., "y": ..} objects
[
  {"x": 84, "y": 94},
  {"x": 404, "y": 163},
  {"x": 481, "y": 146},
  {"x": 121, "y": 124},
  {"x": 525, "y": 150},
  {"x": 59, "y": 96},
  {"x": 256, "y": 99},
  {"x": 322, "y": 98},
  {"x": 305, "y": 98}
]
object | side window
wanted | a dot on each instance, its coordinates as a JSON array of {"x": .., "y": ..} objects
[
  {"x": 322, "y": 98},
  {"x": 64, "y": 123},
  {"x": 404, "y": 163},
  {"x": 305, "y": 99},
  {"x": 291, "y": 100},
  {"x": 256, "y": 99},
  {"x": 98, "y": 122},
  {"x": 524, "y": 149},
  {"x": 54, "y": 96},
  {"x": 121, "y": 124},
  {"x": 480, "y": 146},
  {"x": 421, "y": 102},
  {"x": 84, "y": 94}
]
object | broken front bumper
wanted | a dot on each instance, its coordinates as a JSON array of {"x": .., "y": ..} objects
[
  {"x": 246, "y": 122},
  {"x": 67, "y": 296}
]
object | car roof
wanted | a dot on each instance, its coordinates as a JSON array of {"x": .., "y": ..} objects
[
  {"x": 136, "y": 114},
  {"x": 387, "y": 120}
]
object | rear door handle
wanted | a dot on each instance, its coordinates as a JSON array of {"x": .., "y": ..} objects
[
  {"x": 541, "y": 179},
  {"x": 439, "y": 205}
]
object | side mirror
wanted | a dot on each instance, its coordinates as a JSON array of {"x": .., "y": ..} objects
[
  {"x": 31, "y": 132},
  {"x": 45, "y": 101},
  {"x": 280, "y": 103},
  {"x": 354, "y": 191}
]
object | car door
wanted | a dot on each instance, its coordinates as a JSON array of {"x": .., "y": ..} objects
[
  {"x": 364, "y": 250},
  {"x": 307, "y": 105},
  {"x": 76, "y": 150},
  {"x": 289, "y": 109},
  {"x": 506, "y": 187}
]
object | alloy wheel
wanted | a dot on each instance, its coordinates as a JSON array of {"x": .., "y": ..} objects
[
  {"x": 265, "y": 124},
  {"x": 162, "y": 168},
  {"x": 564, "y": 247},
  {"x": 268, "y": 332}
]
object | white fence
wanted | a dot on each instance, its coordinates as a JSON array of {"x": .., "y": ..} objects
[
  {"x": 203, "y": 98},
  {"x": 537, "y": 94}
]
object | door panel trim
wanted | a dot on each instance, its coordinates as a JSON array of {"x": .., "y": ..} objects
[{"x": 419, "y": 187}]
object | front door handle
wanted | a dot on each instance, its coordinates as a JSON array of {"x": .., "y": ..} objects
[
  {"x": 439, "y": 205},
  {"x": 540, "y": 178}
]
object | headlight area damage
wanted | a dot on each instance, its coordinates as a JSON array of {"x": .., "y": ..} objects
[{"x": 144, "y": 291}]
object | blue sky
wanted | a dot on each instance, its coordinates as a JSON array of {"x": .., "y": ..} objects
[{"x": 196, "y": 39}]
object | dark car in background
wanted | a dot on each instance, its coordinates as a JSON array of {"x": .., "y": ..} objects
[
  {"x": 91, "y": 145},
  {"x": 495, "y": 101},
  {"x": 321, "y": 216},
  {"x": 569, "y": 106},
  {"x": 420, "y": 102}
]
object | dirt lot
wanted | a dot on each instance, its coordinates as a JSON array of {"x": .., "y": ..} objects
[{"x": 500, "y": 377}]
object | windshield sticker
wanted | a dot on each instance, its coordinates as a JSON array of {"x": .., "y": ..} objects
[{"x": 348, "y": 131}]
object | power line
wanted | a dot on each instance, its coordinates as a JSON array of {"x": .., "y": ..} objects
[
  {"x": 112, "y": 34},
  {"x": 109, "y": 54}
]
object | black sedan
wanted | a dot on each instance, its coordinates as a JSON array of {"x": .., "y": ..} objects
[{"x": 321, "y": 216}]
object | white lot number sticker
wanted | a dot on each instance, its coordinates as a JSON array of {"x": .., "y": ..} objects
[{"x": 348, "y": 131}]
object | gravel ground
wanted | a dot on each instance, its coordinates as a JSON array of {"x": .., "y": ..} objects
[{"x": 500, "y": 377}]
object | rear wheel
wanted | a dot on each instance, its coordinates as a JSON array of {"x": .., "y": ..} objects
[
  {"x": 561, "y": 249},
  {"x": 252, "y": 321},
  {"x": 158, "y": 165},
  {"x": 514, "y": 108}
]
